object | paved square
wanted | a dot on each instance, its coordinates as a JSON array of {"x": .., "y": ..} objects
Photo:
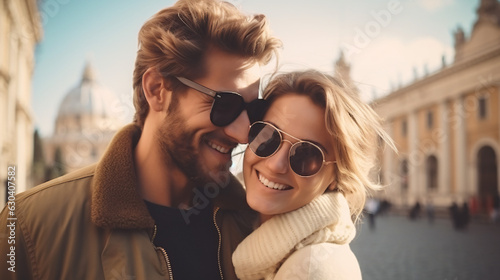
[{"x": 401, "y": 249}]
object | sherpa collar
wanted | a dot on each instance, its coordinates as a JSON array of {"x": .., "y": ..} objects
[{"x": 116, "y": 201}]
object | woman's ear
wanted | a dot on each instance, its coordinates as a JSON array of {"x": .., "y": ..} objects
[
  {"x": 332, "y": 186},
  {"x": 156, "y": 90}
]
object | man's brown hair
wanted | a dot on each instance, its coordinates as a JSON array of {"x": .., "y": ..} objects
[{"x": 175, "y": 40}]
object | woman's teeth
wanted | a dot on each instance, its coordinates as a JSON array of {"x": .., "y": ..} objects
[
  {"x": 219, "y": 148},
  {"x": 272, "y": 185}
]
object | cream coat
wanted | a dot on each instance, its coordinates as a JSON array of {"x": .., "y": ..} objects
[{"x": 311, "y": 242}]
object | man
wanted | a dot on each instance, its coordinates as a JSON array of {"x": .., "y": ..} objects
[{"x": 161, "y": 203}]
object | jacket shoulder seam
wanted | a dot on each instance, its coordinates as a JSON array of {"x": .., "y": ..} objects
[
  {"x": 49, "y": 184},
  {"x": 29, "y": 247}
]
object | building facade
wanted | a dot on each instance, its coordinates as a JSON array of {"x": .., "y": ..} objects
[
  {"x": 447, "y": 125},
  {"x": 20, "y": 31}
]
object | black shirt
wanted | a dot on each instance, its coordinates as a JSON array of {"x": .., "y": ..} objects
[{"x": 190, "y": 239}]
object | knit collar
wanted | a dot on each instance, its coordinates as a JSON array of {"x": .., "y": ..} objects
[
  {"x": 325, "y": 219},
  {"x": 116, "y": 201}
]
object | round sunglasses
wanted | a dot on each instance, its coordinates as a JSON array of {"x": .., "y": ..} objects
[
  {"x": 228, "y": 105},
  {"x": 305, "y": 158}
]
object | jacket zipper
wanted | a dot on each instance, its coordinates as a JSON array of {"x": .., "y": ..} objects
[
  {"x": 220, "y": 242},
  {"x": 169, "y": 267}
]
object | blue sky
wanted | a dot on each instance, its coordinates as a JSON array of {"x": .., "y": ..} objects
[{"x": 385, "y": 40}]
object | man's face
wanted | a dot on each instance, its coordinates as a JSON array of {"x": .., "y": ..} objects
[{"x": 201, "y": 150}]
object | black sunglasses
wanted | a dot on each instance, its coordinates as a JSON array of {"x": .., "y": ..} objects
[
  {"x": 228, "y": 105},
  {"x": 305, "y": 158}
]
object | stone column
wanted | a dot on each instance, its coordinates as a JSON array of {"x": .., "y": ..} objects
[
  {"x": 390, "y": 177},
  {"x": 415, "y": 159},
  {"x": 443, "y": 139},
  {"x": 460, "y": 149}
]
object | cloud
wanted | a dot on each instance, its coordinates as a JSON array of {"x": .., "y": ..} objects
[
  {"x": 434, "y": 5},
  {"x": 390, "y": 62}
]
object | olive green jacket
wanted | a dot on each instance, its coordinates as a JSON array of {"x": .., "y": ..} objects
[{"x": 93, "y": 224}]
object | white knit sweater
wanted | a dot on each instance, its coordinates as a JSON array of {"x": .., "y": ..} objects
[{"x": 326, "y": 219}]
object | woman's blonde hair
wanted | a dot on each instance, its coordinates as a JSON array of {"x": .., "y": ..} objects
[
  {"x": 175, "y": 40},
  {"x": 354, "y": 126}
]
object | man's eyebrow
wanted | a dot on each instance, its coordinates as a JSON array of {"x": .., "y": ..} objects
[{"x": 308, "y": 140}]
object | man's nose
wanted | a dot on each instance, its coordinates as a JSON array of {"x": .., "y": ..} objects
[{"x": 238, "y": 129}]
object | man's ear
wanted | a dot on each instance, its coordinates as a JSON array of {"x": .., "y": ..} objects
[{"x": 156, "y": 90}]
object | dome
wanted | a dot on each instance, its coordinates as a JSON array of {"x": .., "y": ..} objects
[
  {"x": 88, "y": 97},
  {"x": 88, "y": 106}
]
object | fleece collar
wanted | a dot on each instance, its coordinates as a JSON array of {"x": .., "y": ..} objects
[{"x": 116, "y": 201}]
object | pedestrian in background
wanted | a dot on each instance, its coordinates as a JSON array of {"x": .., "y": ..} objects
[
  {"x": 460, "y": 216},
  {"x": 464, "y": 215},
  {"x": 454, "y": 215},
  {"x": 372, "y": 207},
  {"x": 415, "y": 211},
  {"x": 385, "y": 206}
]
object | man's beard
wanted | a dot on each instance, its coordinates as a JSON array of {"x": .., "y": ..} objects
[{"x": 176, "y": 144}]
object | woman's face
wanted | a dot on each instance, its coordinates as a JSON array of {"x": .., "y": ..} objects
[{"x": 298, "y": 116}]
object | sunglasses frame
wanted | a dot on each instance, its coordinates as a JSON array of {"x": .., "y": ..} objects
[
  {"x": 214, "y": 94},
  {"x": 282, "y": 139}
]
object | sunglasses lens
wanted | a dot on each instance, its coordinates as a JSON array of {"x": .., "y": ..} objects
[
  {"x": 263, "y": 139},
  {"x": 226, "y": 108},
  {"x": 305, "y": 159},
  {"x": 256, "y": 110}
]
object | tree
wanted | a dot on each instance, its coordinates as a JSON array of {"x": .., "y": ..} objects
[
  {"x": 39, "y": 165},
  {"x": 58, "y": 168}
]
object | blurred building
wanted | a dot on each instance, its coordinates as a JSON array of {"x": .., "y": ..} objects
[
  {"x": 342, "y": 72},
  {"x": 447, "y": 125},
  {"x": 86, "y": 121},
  {"x": 20, "y": 31}
]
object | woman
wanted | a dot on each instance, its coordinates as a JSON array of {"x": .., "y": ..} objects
[{"x": 307, "y": 173}]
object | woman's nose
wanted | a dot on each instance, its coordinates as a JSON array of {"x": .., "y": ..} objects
[{"x": 278, "y": 163}]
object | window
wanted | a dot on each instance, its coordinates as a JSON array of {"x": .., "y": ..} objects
[
  {"x": 430, "y": 119},
  {"x": 482, "y": 104},
  {"x": 432, "y": 172},
  {"x": 404, "y": 175}
]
